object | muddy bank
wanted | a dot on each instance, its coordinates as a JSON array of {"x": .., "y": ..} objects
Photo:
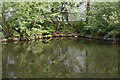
[
  {"x": 85, "y": 36},
  {"x": 17, "y": 39},
  {"x": 66, "y": 35}
]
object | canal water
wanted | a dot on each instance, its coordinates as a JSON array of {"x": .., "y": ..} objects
[{"x": 60, "y": 58}]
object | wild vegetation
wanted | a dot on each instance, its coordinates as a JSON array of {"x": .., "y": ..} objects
[
  {"x": 32, "y": 20},
  {"x": 104, "y": 19}
]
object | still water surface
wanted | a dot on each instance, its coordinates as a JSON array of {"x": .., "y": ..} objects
[{"x": 60, "y": 58}]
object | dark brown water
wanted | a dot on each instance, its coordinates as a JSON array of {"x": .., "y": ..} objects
[{"x": 60, "y": 58}]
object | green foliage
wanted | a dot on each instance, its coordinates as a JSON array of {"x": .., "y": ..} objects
[
  {"x": 24, "y": 19},
  {"x": 28, "y": 20},
  {"x": 1, "y": 35},
  {"x": 31, "y": 20},
  {"x": 78, "y": 26},
  {"x": 104, "y": 19}
]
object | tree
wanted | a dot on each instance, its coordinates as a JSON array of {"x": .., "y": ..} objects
[
  {"x": 87, "y": 9},
  {"x": 104, "y": 19}
]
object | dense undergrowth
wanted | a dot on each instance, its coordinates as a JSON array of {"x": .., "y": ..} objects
[{"x": 32, "y": 20}]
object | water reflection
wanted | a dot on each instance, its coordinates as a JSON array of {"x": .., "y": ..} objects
[
  {"x": 0, "y": 60},
  {"x": 60, "y": 58}
]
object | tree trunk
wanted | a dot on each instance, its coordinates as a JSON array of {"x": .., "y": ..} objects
[{"x": 87, "y": 9}]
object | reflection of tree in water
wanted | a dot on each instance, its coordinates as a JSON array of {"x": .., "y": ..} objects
[
  {"x": 56, "y": 59},
  {"x": 26, "y": 58},
  {"x": 72, "y": 57},
  {"x": 8, "y": 64}
]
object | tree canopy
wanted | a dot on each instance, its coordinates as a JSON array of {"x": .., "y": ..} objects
[{"x": 28, "y": 20}]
